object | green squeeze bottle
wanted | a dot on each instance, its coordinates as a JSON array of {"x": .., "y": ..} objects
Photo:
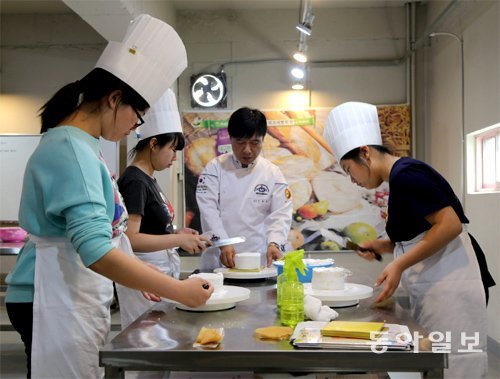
[{"x": 291, "y": 291}]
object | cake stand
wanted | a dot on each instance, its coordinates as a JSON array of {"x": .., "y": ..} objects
[
  {"x": 223, "y": 299},
  {"x": 347, "y": 297},
  {"x": 267, "y": 272}
]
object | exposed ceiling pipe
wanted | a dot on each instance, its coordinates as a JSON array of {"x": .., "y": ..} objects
[{"x": 436, "y": 25}]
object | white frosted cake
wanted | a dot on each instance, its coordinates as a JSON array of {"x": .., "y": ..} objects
[
  {"x": 328, "y": 278},
  {"x": 216, "y": 279},
  {"x": 247, "y": 261}
]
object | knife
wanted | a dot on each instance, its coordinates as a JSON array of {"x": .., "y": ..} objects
[
  {"x": 220, "y": 242},
  {"x": 228, "y": 241},
  {"x": 354, "y": 246}
]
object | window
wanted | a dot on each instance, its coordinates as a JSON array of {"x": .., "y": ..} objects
[{"x": 483, "y": 163}]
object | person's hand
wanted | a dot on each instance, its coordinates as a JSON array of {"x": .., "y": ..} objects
[
  {"x": 390, "y": 277},
  {"x": 195, "y": 292},
  {"x": 227, "y": 254},
  {"x": 194, "y": 243},
  {"x": 373, "y": 248},
  {"x": 187, "y": 231},
  {"x": 273, "y": 253}
]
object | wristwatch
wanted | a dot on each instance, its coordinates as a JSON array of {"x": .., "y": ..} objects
[{"x": 275, "y": 244}]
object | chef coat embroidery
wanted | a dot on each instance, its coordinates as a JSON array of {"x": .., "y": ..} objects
[
  {"x": 288, "y": 193},
  {"x": 261, "y": 189},
  {"x": 201, "y": 187}
]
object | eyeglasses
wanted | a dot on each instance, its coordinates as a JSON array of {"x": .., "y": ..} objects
[{"x": 140, "y": 120}]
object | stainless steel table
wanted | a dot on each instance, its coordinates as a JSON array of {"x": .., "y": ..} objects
[
  {"x": 10, "y": 248},
  {"x": 162, "y": 339}
]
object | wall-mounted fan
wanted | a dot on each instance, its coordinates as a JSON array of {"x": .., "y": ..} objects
[{"x": 208, "y": 90}]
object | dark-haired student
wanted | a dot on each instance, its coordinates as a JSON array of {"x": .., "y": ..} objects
[{"x": 60, "y": 290}]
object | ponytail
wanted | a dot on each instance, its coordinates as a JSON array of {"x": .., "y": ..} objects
[{"x": 61, "y": 105}]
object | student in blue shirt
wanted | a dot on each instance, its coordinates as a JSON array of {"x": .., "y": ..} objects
[
  {"x": 60, "y": 289},
  {"x": 434, "y": 258}
]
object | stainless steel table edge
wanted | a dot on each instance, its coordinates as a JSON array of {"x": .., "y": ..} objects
[
  {"x": 161, "y": 340},
  {"x": 324, "y": 361}
]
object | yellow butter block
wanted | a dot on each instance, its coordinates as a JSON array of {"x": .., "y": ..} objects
[{"x": 353, "y": 329}]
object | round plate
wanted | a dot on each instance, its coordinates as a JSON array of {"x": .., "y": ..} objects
[
  {"x": 226, "y": 298},
  {"x": 267, "y": 272},
  {"x": 347, "y": 297}
]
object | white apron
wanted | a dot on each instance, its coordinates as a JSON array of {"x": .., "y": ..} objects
[
  {"x": 71, "y": 318},
  {"x": 132, "y": 303},
  {"x": 447, "y": 295}
]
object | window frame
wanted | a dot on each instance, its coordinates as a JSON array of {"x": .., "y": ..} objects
[{"x": 475, "y": 143}]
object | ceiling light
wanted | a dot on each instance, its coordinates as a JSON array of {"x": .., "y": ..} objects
[
  {"x": 297, "y": 72},
  {"x": 300, "y": 54},
  {"x": 297, "y": 85},
  {"x": 300, "y": 57},
  {"x": 305, "y": 28},
  {"x": 306, "y": 17}
]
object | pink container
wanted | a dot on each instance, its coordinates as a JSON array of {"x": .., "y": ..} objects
[{"x": 12, "y": 234}]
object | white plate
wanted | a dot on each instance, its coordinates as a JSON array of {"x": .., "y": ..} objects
[
  {"x": 267, "y": 272},
  {"x": 226, "y": 298},
  {"x": 347, "y": 297}
]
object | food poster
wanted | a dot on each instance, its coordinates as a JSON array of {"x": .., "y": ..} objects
[{"x": 327, "y": 206}]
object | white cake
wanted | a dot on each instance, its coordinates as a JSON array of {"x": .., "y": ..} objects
[
  {"x": 247, "y": 261},
  {"x": 216, "y": 279},
  {"x": 328, "y": 278}
]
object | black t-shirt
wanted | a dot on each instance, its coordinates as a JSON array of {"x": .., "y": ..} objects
[
  {"x": 415, "y": 191},
  {"x": 143, "y": 196}
]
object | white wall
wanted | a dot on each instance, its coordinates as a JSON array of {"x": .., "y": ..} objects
[
  {"x": 40, "y": 53},
  {"x": 478, "y": 24},
  {"x": 216, "y": 37}
]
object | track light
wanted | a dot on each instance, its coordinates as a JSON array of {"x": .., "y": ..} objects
[
  {"x": 305, "y": 28},
  {"x": 300, "y": 57},
  {"x": 298, "y": 72},
  {"x": 298, "y": 85},
  {"x": 307, "y": 18},
  {"x": 300, "y": 54}
]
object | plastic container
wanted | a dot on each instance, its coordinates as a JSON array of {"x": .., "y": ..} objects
[
  {"x": 291, "y": 310},
  {"x": 310, "y": 264},
  {"x": 12, "y": 234},
  {"x": 290, "y": 292}
]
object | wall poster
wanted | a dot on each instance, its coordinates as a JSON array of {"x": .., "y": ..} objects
[{"x": 327, "y": 206}]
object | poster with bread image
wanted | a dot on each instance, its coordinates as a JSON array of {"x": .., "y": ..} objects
[{"x": 327, "y": 206}]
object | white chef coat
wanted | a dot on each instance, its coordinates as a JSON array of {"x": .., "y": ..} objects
[{"x": 254, "y": 202}]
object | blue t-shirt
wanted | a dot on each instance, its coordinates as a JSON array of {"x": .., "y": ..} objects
[
  {"x": 67, "y": 192},
  {"x": 416, "y": 190}
]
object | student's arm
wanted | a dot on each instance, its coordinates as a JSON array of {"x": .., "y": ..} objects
[
  {"x": 192, "y": 243},
  {"x": 131, "y": 272}
]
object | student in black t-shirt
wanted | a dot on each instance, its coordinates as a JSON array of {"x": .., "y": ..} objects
[
  {"x": 434, "y": 257},
  {"x": 150, "y": 225}
]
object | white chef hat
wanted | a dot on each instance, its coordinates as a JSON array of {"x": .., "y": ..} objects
[
  {"x": 351, "y": 125},
  {"x": 163, "y": 117},
  {"x": 149, "y": 59}
]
